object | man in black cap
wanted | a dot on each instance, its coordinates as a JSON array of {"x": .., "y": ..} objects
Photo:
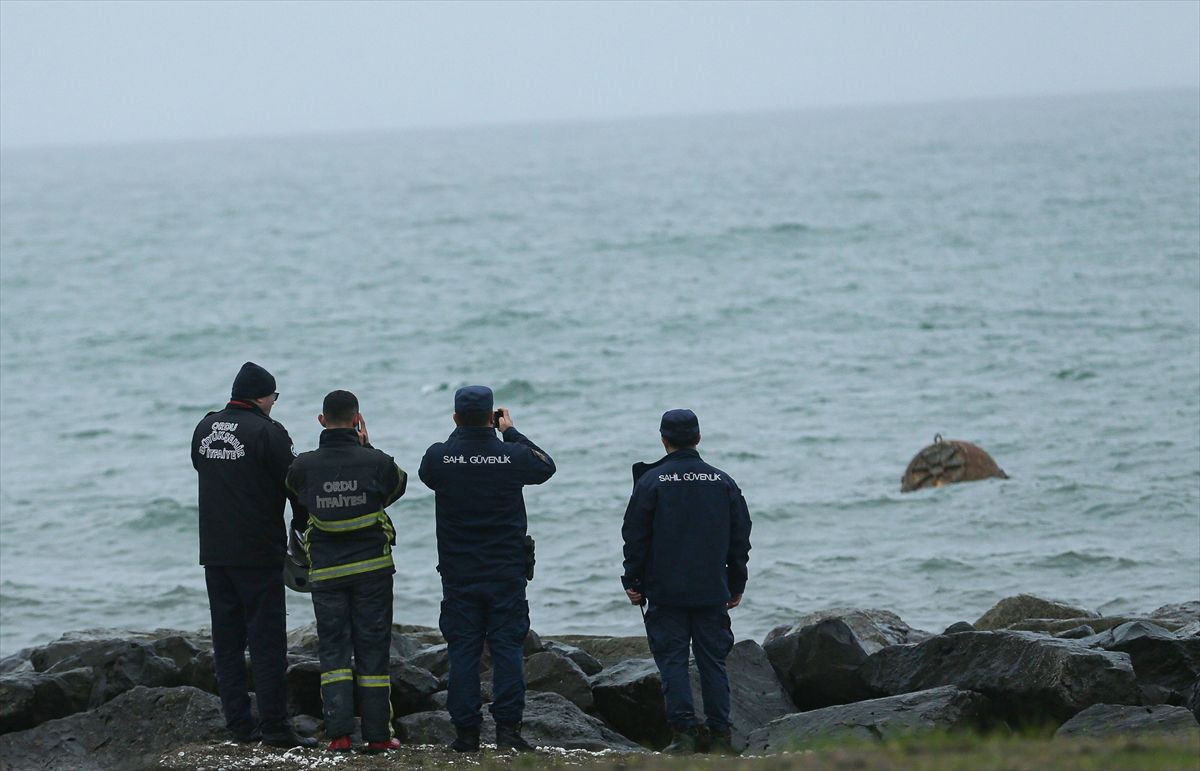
[
  {"x": 483, "y": 560},
  {"x": 344, "y": 487},
  {"x": 687, "y": 542},
  {"x": 242, "y": 458}
]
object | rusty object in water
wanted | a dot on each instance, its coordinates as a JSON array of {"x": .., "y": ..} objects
[{"x": 947, "y": 461}]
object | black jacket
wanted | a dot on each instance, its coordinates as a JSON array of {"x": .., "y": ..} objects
[
  {"x": 342, "y": 489},
  {"x": 242, "y": 457},
  {"x": 481, "y": 518},
  {"x": 686, "y": 531}
]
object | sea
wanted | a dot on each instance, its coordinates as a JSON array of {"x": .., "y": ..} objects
[{"x": 827, "y": 289}]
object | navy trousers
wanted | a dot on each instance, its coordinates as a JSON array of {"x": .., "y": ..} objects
[
  {"x": 669, "y": 630},
  {"x": 356, "y": 618},
  {"x": 494, "y": 612},
  {"x": 246, "y": 605}
]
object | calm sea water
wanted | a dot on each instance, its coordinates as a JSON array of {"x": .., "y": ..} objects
[{"x": 827, "y": 289}]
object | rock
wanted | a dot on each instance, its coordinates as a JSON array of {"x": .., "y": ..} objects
[
  {"x": 959, "y": 626},
  {"x": 1193, "y": 699},
  {"x": 1100, "y": 720},
  {"x": 303, "y": 640},
  {"x": 116, "y": 666},
  {"x": 1077, "y": 632},
  {"x": 425, "y": 635},
  {"x": 28, "y": 699},
  {"x": 550, "y": 720},
  {"x": 555, "y": 673},
  {"x": 533, "y": 644},
  {"x": 755, "y": 694},
  {"x": 1180, "y": 613},
  {"x": 435, "y": 659},
  {"x": 17, "y": 662},
  {"x": 412, "y": 688},
  {"x": 584, "y": 660},
  {"x": 607, "y": 650},
  {"x": 306, "y": 725},
  {"x": 934, "y": 710},
  {"x": 1188, "y": 631},
  {"x": 1054, "y": 626},
  {"x": 1161, "y": 661},
  {"x": 874, "y": 629},
  {"x": 1011, "y": 610},
  {"x": 818, "y": 664},
  {"x": 128, "y": 733},
  {"x": 201, "y": 672},
  {"x": 304, "y": 688},
  {"x": 1029, "y": 678},
  {"x": 628, "y": 695},
  {"x": 947, "y": 461}
]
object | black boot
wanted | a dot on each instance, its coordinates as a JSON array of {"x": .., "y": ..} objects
[
  {"x": 287, "y": 738},
  {"x": 721, "y": 743},
  {"x": 508, "y": 737},
  {"x": 465, "y": 739},
  {"x": 683, "y": 741}
]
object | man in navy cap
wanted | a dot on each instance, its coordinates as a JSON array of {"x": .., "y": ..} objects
[
  {"x": 687, "y": 542},
  {"x": 242, "y": 459},
  {"x": 484, "y": 560}
]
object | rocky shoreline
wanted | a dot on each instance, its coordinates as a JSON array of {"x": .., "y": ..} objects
[{"x": 126, "y": 700}]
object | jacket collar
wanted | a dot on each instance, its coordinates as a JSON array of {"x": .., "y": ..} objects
[
  {"x": 338, "y": 436},
  {"x": 239, "y": 404},
  {"x": 642, "y": 468},
  {"x": 474, "y": 432}
]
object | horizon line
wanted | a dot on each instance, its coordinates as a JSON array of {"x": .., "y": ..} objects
[{"x": 567, "y": 121}]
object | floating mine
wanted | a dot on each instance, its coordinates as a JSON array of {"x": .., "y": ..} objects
[{"x": 947, "y": 461}]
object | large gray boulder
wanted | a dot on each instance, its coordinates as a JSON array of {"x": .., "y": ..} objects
[
  {"x": 1165, "y": 665},
  {"x": 1180, "y": 613},
  {"x": 555, "y": 673},
  {"x": 28, "y": 699},
  {"x": 628, "y": 695},
  {"x": 1100, "y": 720},
  {"x": 1011, "y": 610},
  {"x": 755, "y": 694},
  {"x": 128, "y": 733},
  {"x": 412, "y": 688},
  {"x": 607, "y": 650},
  {"x": 937, "y": 709},
  {"x": 435, "y": 659},
  {"x": 304, "y": 687},
  {"x": 874, "y": 629},
  {"x": 17, "y": 662},
  {"x": 819, "y": 664},
  {"x": 1100, "y": 625},
  {"x": 550, "y": 720},
  {"x": 584, "y": 660},
  {"x": 1030, "y": 678}
]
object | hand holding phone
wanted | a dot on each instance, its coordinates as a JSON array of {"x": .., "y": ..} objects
[{"x": 360, "y": 427}]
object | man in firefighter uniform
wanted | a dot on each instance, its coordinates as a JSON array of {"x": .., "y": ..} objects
[
  {"x": 687, "y": 542},
  {"x": 241, "y": 457},
  {"x": 344, "y": 487},
  {"x": 484, "y": 560}
]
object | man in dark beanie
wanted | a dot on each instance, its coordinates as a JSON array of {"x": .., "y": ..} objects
[
  {"x": 242, "y": 458},
  {"x": 485, "y": 561},
  {"x": 687, "y": 542}
]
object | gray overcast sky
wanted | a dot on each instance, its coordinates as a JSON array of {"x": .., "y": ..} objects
[{"x": 103, "y": 71}]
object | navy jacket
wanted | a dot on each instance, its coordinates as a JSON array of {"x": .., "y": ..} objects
[
  {"x": 480, "y": 510},
  {"x": 242, "y": 457},
  {"x": 687, "y": 533}
]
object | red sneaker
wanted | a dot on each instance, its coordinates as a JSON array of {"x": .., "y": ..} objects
[
  {"x": 341, "y": 744},
  {"x": 390, "y": 744}
]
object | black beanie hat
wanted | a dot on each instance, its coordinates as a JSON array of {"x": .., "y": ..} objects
[{"x": 252, "y": 382}]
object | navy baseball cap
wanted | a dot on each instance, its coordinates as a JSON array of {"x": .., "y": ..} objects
[
  {"x": 473, "y": 399},
  {"x": 679, "y": 426}
]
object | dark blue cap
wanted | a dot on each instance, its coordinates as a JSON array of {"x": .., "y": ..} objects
[
  {"x": 473, "y": 399},
  {"x": 679, "y": 426}
]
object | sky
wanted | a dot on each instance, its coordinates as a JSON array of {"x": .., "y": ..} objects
[{"x": 102, "y": 72}]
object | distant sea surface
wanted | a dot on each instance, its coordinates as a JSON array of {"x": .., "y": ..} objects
[{"x": 827, "y": 289}]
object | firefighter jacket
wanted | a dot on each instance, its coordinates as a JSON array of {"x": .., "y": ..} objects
[
  {"x": 343, "y": 487},
  {"x": 241, "y": 457}
]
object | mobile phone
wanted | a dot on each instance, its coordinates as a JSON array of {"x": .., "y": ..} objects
[{"x": 496, "y": 417}]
